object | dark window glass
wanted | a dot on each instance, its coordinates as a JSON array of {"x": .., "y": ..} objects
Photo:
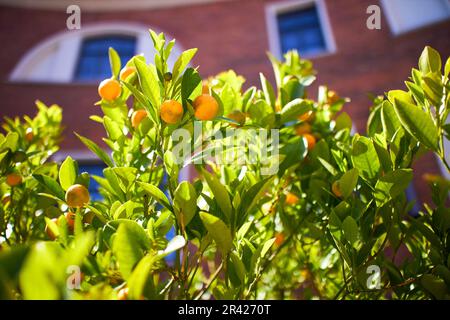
[
  {"x": 93, "y": 62},
  {"x": 301, "y": 30}
]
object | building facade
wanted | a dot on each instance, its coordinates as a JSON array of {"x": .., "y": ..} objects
[{"x": 41, "y": 59}]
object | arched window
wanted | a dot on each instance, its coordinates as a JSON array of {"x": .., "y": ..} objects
[
  {"x": 82, "y": 55},
  {"x": 93, "y": 60}
]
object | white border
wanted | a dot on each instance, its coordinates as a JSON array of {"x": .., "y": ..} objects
[
  {"x": 391, "y": 13},
  {"x": 272, "y": 10}
]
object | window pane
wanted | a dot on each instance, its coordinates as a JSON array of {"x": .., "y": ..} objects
[
  {"x": 301, "y": 30},
  {"x": 93, "y": 62}
]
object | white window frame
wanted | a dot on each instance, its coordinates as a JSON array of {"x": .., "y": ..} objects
[
  {"x": 68, "y": 47},
  {"x": 272, "y": 12},
  {"x": 390, "y": 11}
]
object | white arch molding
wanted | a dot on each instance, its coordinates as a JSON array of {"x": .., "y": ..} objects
[{"x": 54, "y": 60}]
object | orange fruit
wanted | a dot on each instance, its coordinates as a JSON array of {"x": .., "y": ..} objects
[
  {"x": 308, "y": 116},
  {"x": 332, "y": 97},
  {"x": 122, "y": 294},
  {"x": 70, "y": 217},
  {"x": 279, "y": 239},
  {"x": 49, "y": 231},
  {"x": 77, "y": 196},
  {"x": 171, "y": 111},
  {"x": 291, "y": 199},
  {"x": 302, "y": 128},
  {"x": 109, "y": 89},
  {"x": 29, "y": 135},
  {"x": 13, "y": 179},
  {"x": 310, "y": 139},
  {"x": 335, "y": 189},
  {"x": 206, "y": 107},
  {"x": 237, "y": 116},
  {"x": 126, "y": 72},
  {"x": 205, "y": 89},
  {"x": 137, "y": 117}
]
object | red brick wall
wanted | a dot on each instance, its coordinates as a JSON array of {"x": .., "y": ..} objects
[{"x": 230, "y": 34}]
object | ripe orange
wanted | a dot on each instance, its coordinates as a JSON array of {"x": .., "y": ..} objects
[
  {"x": 336, "y": 190},
  {"x": 122, "y": 294},
  {"x": 49, "y": 231},
  {"x": 137, "y": 117},
  {"x": 237, "y": 116},
  {"x": 332, "y": 97},
  {"x": 109, "y": 89},
  {"x": 311, "y": 140},
  {"x": 70, "y": 217},
  {"x": 279, "y": 239},
  {"x": 308, "y": 116},
  {"x": 171, "y": 111},
  {"x": 126, "y": 72},
  {"x": 77, "y": 196},
  {"x": 302, "y": 128},
  {"x": 206, "y": 107},
  {"x": 29, "y": 135},
  {"x": 13, "y": 179},
  {"x": 291, "y": 199}
]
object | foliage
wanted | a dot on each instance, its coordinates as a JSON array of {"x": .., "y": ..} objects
[{"x": 314, "y": 228}]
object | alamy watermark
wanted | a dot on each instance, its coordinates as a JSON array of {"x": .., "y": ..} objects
[
  {"x": 73, "y": 22},
  {"x": 238, "y": 147},
  {"x": 373, "y": 22}
]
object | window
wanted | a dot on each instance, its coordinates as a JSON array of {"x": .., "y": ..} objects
[
  {"x": 82, "y": 55},
  {"x": 408, "y": 15},
  {"x": 93, "y": 60},
  {"x": 300, "y": 25},
  {"x": 301, "y": 30}
]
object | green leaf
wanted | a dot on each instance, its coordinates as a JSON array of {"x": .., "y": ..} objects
[
  {"x": 68, "y": 173},
  {"x": 447, "y": 68},
  {"x": 51, "y": 185},
  {"x": 391, "y": 185},
  {"x": 220, "y": 193},
  {"x": 176, "y": 243},
  {"x": 294, "y": 109},
  {"x": 182, "y": 62},
  {"x": 269, "y": 93},
  {"x": 365, "y": 158},
  {"x": 149, "y": 82},
  {"x": 389, "y": 119},
  {"x": 350, "y": 229},
  {"x": 417, "y": 122},
  {"x": 156, "y": 193},
  {"x": 433, "y": 88},
  {"x": 348, "y": 182},
  {"x": 251, "y": 197},
  {"x": 343, "y": 121},
  {"x": 97, "y": 150},
  {"x": 218, "y": 231},
  {"x": 191, "y": 84},
  {"x": 129, "y": 246},
  {"x": 262, "y": 113},
  {"x": 430, "y": 61},
  {"x": 236, "y": 269},
  {"x": 138, "y": 279},
  {"x": 114, "y": 61},
  {"x": 185, "y": 201}
]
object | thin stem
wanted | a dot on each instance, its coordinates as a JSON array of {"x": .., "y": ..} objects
[{"x": 210, "y": 281}]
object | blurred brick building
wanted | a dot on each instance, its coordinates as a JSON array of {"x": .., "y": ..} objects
[{"x": 41, "y": 59}]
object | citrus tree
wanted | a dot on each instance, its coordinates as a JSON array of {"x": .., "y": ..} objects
[{"x": 286, "y": 201}]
